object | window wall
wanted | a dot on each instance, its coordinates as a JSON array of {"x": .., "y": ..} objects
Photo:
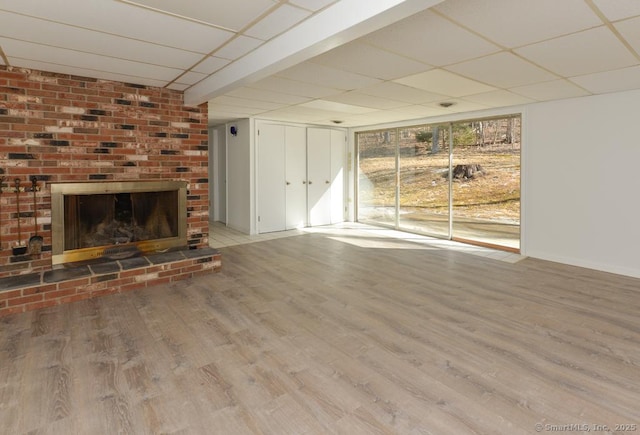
[
  {"x": 424, "y": 187},
  {"x": 457, "y": 180},
  {"x": 377, "y": 186}
]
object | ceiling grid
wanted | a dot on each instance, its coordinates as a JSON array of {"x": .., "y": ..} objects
[{"x": 316, "y": 61}]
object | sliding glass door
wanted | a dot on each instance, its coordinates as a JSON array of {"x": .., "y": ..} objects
[
  {"x": 424, "y": 185},
  {"x": 377, "y": 174},
  {"x": 486, "y": 182},
  {"x": 456, "y": 180}
]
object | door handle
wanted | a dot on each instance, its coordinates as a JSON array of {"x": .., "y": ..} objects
[
  {"x": 309, "y": 181},
  {"x": 326, "y": 182},
  {"x": 304, "y": 182},
  {"x": 288, "y": 183}
]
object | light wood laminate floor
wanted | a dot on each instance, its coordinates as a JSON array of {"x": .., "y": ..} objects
[{"x": 315, "y": 335}]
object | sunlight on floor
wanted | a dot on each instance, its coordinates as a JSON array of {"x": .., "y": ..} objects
[{"x": 362, "y": 235}]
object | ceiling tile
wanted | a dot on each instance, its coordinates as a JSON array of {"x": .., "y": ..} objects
[
  {"x": 552, "y": 90},
  {"x": 302, "y": 114},
  {"x": 237, "y": 112},
  {"x": 230, "y": 15},
  {"x": 243, "y": 102},
  {"x": 590, "y": 51},
  {"x": 283, "y": 117},
  {"x": 331, "y": 106},
  {"x": 311, "y": 112},
  {"x": 59, "y": 35},
  {"x": 210, "y": 64},
  {"x": 499, "y": 98},
  {"x": 360, "y": 99},
  {"x": 513, "y": 23},
  {"x": 325, "y": 76},
  {"x": 312, "y": 5},
  {"x": 85, "y": 72},
  {"x": 235, "y": 109},
  {"x": 630, "y": 31},
  {"x": 288, "y": 116},
  {"x": 281, "y": 84},
  {"x": 618, "y": 9},
  {"x": 190, "y": 78},
  {"x": 20, "y": 50},
  {"x": 277, "y": 22},
  {"x": 218, "y": 117},
  {"x": 380, "y": 117},
  {"x": 238, "y": 47},
  {"x": 177, "y": 86},
  {"x": 399, "y": 92},
  {"x": 419, "y": 110},
  {"x": 184, "y": 34},
  {"x": 459, "y": 105},
  {"x": 610, "y": 81},
  {"x": 444, "y": 82},
  {"x": 502, "y": 70},
  {"x": 431, "y": 39},
  {"x": 365, "y": 59},
  {"x": 274, "y": 97}
]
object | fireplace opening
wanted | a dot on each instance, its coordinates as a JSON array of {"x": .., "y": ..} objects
[
  {"x": 92, "y": 220},
  {"x": 113, "y": 219}
]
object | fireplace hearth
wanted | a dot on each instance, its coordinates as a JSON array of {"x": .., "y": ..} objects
[{"x": 116, "y": 219}]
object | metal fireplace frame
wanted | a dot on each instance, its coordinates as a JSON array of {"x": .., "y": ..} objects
[{"x": 60, "y": 190}]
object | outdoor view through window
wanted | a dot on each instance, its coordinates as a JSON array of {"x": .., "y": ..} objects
[{"x": 456, "y": 180}]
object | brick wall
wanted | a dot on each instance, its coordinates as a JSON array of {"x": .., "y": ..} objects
[{"x": 67, "y": 128}]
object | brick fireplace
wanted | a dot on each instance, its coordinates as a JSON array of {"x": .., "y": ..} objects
[{"x": 64, "y": 130}]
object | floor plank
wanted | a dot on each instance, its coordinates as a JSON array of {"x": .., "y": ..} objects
[{"x": 314, "y": 334}]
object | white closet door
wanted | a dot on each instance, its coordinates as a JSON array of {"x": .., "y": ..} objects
[
  {"x": 271, "y": 179},
  {"x": 296, "y": 177},
  {"x": 319, "y": 176},
  {"x": 338, "y": 148}
]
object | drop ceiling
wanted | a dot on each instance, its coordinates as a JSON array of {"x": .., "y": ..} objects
[{"x": 319, "y": 61}]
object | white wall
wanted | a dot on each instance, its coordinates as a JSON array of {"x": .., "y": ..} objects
[
  {"x": 213, "y": 147},
  {"x": 217, "y": 172},
  {"x": 240, "y": 204},
  {"x": 220, "y": 202},
  {"x": 582, "y": 180}
]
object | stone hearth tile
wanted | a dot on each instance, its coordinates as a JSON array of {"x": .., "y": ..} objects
[
  {"x": 203, "y": 252},
  {"x": 107, "y": 267},
  {"x": 165, "y": 257},
  {"x": 65, "y": 274},
  {"x": 19, "y": 281},
  {"x": 134, "y": 262}
]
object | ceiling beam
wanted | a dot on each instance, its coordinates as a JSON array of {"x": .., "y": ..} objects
[{"x": 342, "y": 22}]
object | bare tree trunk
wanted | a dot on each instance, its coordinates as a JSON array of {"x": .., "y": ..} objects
[
  {"x": 387, "y": 138},
  {"x": 481, "y": 136},
  {"x": 435, "y": 140}
]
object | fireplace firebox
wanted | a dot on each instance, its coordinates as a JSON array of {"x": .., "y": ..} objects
[{"x": 116, "y": 219}]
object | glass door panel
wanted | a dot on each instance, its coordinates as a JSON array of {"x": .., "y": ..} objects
[
  {"x": 424, "y": 183},
  {"x": 486, "y": 182},
  {"x": 377, "y": 177}
]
